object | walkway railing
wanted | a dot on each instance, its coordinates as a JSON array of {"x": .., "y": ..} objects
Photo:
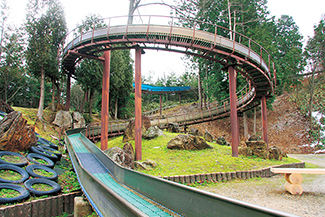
[
  {"x": 155, "y": 23},
  {"x": 213, "y": 111}
]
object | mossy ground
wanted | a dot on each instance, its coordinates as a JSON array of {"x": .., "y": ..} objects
[{"x": 184, "y": 162}]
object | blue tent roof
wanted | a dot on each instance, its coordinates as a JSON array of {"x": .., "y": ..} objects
[{"x": 149, "y": 88}]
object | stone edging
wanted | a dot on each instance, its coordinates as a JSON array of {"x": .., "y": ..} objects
[
  {"x": 227, "y": 176},
  {"x": 51, "y": 206}
]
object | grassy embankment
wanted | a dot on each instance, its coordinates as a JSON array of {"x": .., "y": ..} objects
[{"x": 183, "y": 162}]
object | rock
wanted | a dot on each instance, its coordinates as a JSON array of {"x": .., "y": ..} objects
[
  {"x": 63, "y": 119},
  {"x": 152, "y": 133},
  {"x": 194, "y": 132},
  {"x": 260, "y": 144},
  {"x": 121, "y": 157},
  {"x": 208, "y": 136},
  {"x": 129, "y": 149},
  {"x": 145, "y": 120},
  {"x": 245, "y": 151},
  {"x": 221, "y": 141},
  {"x": 173, "y": 128},
  {"x": 15, "y": 134},
  {"x": 254, "y": 138},
  {"x": 275, "y": 153},
  {"x": 140, "y": 165},
  {"x": 150, "y": 163},
  {"x": 4, "y": 107},
  {"x": 187, "y": 142},
  {"x": 78, "y": 120},
  {"x": 259, "y": 148},
  {"x": 129, "y": 132}
]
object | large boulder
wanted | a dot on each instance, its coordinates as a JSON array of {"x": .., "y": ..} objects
[
  {"x": 63, "y": 119},
  {"x": 173, "y": 128},
  {"x": 15, "y": 134},
  {"x": 275, "y": 153},
  {"x": 128, "y": 148},
  {"x": 208, "y": 136},
  {"x": 187, "y": 142},
  {"x": 78, "y": 120},
  {"x": 221, "y": 141},
  {"x": 121, "y": 157},
  {"x": 258, "y": 147},
  {"x": 129, "y": 132},
  {"x": 194, "y": 132},
  {"x": 152, "y": 132},
  {"x": 4, "y": 107}
]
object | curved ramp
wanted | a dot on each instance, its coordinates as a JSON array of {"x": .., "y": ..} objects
[
  {"x": 116, "y": 191},
  {"x": 165, "y": 33},
  {"x": 214, "y": 111}
]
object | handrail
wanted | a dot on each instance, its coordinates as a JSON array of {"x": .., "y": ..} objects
[
  {"x": 170, "y": 21},
  {"x": 212, "y": 112}
]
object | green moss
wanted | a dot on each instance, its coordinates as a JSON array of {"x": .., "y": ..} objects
[
  {"x": 183, "y": 162},
  {"x": 10, "y": 175}
]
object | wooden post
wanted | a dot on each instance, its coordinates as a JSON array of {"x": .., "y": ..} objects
[
  {"x": 233, "y": 112},
  {"x": 105, "y": 101},
  {"x": 264, "y": 120},
  {"x": 138, "y": 133},
  {"x": 160, "y": 104},
  {"x": 180, "y": 98}
]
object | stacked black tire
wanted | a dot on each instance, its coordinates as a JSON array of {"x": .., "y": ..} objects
[{"x": 46, "y": 151}]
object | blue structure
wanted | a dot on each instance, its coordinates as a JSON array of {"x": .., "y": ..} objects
[{"x": 158, "y": 90}]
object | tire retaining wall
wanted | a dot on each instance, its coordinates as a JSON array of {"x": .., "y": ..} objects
[
  {"x": 51, "y": 206},
  {"x": 227, "y": 176}
]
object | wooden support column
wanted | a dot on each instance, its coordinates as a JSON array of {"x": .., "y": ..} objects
[
  {"x": 138, "y": 133},
  {"x": 105, "y": 101},
  {"x": 245, "y": 126},
  {"x": 67, "y": 104},
  {"x": 180, "y": 98},
  {"x": 233, "y": 112},
  {"x": 160, "y": 104},
  {"x": 264, "y": 120}
]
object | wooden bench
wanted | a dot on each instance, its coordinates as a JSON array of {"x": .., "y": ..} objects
[{"x": 294, "y": 178}]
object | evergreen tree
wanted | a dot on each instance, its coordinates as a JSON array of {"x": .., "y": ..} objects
[{"x": 45, "y": 32}]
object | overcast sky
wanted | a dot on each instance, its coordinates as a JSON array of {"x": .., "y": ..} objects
[{"x": 305, "y": 13}]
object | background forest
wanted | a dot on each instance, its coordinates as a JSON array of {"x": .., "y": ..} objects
[{"x": 31, "y": 77}]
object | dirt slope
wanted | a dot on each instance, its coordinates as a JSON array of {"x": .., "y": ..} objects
[{"x": 287, "y": 129}]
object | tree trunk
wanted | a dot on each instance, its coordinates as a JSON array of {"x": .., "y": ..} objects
[
  {"x": 92, "y": 94},
  {"x": 41, "y": 99},
  {"x": 58, "y": 92},
  {"x": 53, "y": 95},
  {"x": 116, "y": 102},
  {"x": 200, "y": 90},
  {"x": 245, "y": 126},
  {"x": 84, "y": 101},
  {"x": 311, "y": 99}
]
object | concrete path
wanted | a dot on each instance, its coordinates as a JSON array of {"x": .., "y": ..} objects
[{"x": 317, "y": 159}]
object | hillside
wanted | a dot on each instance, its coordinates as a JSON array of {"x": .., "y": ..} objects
[{"x": 287, "y": 129}]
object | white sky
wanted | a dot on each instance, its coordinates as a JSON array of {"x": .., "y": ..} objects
[{"x": 305, "y": 13}]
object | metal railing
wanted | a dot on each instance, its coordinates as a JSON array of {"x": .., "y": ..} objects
[{"x": 77, "y": 36}]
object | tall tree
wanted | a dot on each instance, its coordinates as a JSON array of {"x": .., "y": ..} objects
[
  {"x": 315, "y": 55},
  {"x": 45, "y": 32}
]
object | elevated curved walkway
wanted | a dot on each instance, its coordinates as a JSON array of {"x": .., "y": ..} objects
[
  {"x": 165, "y": 33},
  {"x": 214, "y": 111},
  {"x": 146, "y": 88}
]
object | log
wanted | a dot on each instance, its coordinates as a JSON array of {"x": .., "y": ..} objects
[
  {"x": 294, "y": 178},
  {"x": 294, "y": 189}
]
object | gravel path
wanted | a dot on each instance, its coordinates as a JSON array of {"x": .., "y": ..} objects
[{"x": 270, "y": 192}]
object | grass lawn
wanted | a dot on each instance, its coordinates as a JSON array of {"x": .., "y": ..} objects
[{"x": 183, "y": 162}]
